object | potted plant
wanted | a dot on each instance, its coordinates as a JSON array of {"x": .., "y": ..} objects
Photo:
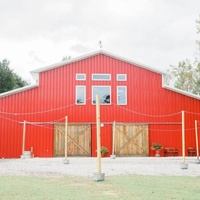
[
  {"x": 156, "y": 147},
  {"x": 104, "y": 151}
]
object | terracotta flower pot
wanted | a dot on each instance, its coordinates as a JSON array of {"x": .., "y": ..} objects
[{"x": 157, "y": 153}]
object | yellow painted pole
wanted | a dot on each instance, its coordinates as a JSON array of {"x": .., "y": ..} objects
[
  {"x": 183, "y": 136},
  {"x": 23, "y": 137},
  {"x": 196, "y": 136},
  {"x": 66, "y": 124},
  {"x": 98, "y": 134}
]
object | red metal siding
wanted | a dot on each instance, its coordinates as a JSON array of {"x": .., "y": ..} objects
[
  {"x": 106, "y": 138},
  {"x": 54, "y": 98}
]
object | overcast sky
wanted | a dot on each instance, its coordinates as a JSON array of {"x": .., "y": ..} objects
[{"x": 38, "y": 33}]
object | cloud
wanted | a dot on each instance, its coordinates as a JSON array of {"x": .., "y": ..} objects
[{"x": 156, "y": 33}]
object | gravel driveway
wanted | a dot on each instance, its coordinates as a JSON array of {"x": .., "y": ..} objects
[{"x": 85, "y": 167}]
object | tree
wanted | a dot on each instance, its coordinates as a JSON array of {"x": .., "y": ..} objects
[
  {"x": 182, "y": 75},
  {"x": 197, "y": 61},
  {"x": 186, "y": 75},
  {"x": 8, "y": 79},
  {"x": 196, "y": 89}
]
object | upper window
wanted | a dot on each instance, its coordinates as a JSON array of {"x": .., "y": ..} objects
[
  {"x": 80, "y": 77},
  {"x": 121, "y": 77},
  {"x": 101, "y": 77},
  {"x": 103, "y": 92},
  {"x": 121, "y": 95},
  {"x": 80, "y": 95}
]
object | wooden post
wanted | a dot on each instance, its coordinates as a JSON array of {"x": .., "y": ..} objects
[
  {"x": 196, "y": 134},
  {"x": 98, "y": 135},
  {"x": 66, "y": 124},
  {"x": 98, "y": 176},
  {"x": 23, "y": 137},
  {"x": 113, "y": 139},
  {"x": 183, "y": 164},
  {"x": 183, "y": 136}
]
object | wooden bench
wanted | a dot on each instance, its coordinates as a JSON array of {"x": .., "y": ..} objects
[
  {"x": 191, "y": 151},
  {"x": 170, "y": 151}
]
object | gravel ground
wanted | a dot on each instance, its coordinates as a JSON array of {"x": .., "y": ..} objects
[{"x": 85, "y": 167}]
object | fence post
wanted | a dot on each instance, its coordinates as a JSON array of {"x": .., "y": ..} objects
[
  {"x": 197, "y": 144},
  {"x": 23, "y": 138},
  {"x": 98, "y": 176},
  {"x": 113, "y": 156},
  {"x": 66, "y": 161},
  {"x": 183, "y": 164}
]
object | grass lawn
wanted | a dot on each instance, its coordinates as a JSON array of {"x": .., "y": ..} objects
[{"x": 114, "y": 187}]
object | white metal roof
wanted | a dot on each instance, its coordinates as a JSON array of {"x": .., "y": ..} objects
[
  {"x": 181, "y": 92},
  {"x": 28, "y": 87}
]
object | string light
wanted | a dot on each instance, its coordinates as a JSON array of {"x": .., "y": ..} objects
[
  {"x": 9, "y": 119},
  {"x": 177, "y": 130},
  {"x": 148, "y": 115},
  {"x": 129, "y": 110},
  {"x": 40, "y": 112},
  {"x": 43, "y": 124},
  {"x": 192, "y": 113}
]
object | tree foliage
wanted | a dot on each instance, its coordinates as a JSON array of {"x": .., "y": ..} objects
[
  {"x": 186, "y": 75},
  {"x": 182, "y": 75},
  {"x": 8, "y": 79}
]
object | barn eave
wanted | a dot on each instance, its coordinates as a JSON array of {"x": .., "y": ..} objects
[
  {"x": 181, "y": 92},
  {"x": 18, "y": 90}
]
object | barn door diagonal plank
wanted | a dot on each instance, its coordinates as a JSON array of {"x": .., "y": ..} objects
[
  {"x": 79, "y": 140},
  {"x": 76, "y": 144},
  {"x": 131, "y": 140}
]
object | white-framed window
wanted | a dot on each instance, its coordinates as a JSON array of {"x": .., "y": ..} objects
[
  {"x": 80, "y": 94},
  {"x": 121, "y": 95},
  {"x": 101, "y": 77},
  {"x": 121, "y": 77},
  {"x": 80, "y": 77},
  {"x": 104, "y": 93}
]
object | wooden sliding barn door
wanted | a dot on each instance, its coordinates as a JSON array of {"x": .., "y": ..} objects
[
  {"x": 131, "y": 140},
  {"x": 79, "y": 140}
]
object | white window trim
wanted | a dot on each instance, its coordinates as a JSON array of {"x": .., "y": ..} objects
[
  {"x": 120, "y": 79},
  {"x": 84, "y": 95},
  {"x": 106, "y": 104},
  {"x": 125, "y": 95},
  {"x": 102, "y": 79},
  {"x": 81, "y": 79}
]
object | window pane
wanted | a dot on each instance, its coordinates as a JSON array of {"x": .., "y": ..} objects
[
  {"x": 121, "y": 95},
  {"x": 102, "y": 77},
  {"x": 80, "y": 77},
  {"x": 103, "y": 92},
  {"x": 121, "y": 77},
  {"x": 80, "y": 94}
]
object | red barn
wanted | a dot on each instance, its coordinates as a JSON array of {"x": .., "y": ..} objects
[{"x": 144, "y": 109}]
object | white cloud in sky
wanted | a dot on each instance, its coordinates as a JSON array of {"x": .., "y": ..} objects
[{"x": 37, "y": 33}]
